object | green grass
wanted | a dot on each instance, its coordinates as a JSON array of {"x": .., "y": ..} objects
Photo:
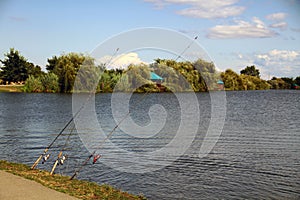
[{"x": 77, "y": 188}]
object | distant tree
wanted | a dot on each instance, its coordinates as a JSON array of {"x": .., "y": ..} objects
[
  {"x": 66, "y": 67},
  {"x": 35, "y": 71},
  {"x": 297, "y": 80},
  {"x": 16, "y": 68},
  {"x": 184, "y": 76},
  {"x": 254, "y": 83},
  {"x": 251, "y": 71},
  {"x": 52, "y": 62},
  {"x": 288, "y": 81},
  {"x": 232, "y": 81},
  {"x": 278, "y": 83}
]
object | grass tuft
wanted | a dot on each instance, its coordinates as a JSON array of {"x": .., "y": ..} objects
[{"x": 77, "y": 188}]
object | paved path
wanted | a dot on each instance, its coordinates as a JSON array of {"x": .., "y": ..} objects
[{"x": 14, "y": 187}]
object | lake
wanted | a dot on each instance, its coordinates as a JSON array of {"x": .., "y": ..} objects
[{"x": 255, "y": 157}]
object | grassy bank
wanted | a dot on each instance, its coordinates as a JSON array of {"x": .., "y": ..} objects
[
  {"x": 76, "y": 188},
  {"x": 11, "y": 88}
]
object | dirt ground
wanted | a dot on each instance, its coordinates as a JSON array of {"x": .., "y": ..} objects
[{"x": 13, "y": 187}]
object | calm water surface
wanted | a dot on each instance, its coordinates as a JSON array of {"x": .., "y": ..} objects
[{"x": 256, "y": 157}]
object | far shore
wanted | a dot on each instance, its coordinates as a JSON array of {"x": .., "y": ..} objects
[{"x": 11, "y": 88}]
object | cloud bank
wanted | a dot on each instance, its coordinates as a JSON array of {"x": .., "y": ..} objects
[
  {"x": 241, "y": 29},
  {"x": 122, "y": 61},
  {"x": 202, "y": 8},
  {"x": 275, "y": 62}
]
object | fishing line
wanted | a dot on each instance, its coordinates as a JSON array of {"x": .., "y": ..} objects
[
  {"x": 60, "y": 157},
  {"x": 113, "y": 130},
  {"x": 59, "y": 134},
  {"x": 67, "y": 124},
  {"x": 186, "y": 48},
  {"x": 107, "y": 137}
]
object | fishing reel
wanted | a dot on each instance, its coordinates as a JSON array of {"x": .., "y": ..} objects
[{"x": 45, "y": 158}]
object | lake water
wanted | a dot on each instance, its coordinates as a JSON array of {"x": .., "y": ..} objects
[{"x": 256, "y": 156}]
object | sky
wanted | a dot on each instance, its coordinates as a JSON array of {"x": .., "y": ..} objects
[{"x": 234, "y": 33}]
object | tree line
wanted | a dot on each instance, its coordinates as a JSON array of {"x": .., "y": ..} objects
[{"x": 198, "y": 76}]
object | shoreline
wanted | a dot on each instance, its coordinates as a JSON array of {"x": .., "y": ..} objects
[{"x": 62, "y": 184}]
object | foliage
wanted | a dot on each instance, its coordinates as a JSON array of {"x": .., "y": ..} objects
[
  {"x": 66, "y": 67},
  {"x": 71, "y": 69},
  {"x": 87, "y": 78},
  {"x": 251, "y": 71},
  {"x": 278, "y": 83},
  {"x": 138, "y": 77},
  {"x": 284, "y": 83},
  {"x": 16, "y": 68},
  {"x": 297, "y": 80},
  {"x": 198, "y": 76},
  {"x": 50, "y": 82},
  {"x": 232, "y": 81},
  {"x": 254, "y": 83},
  {"x": 109, "y": 79},
  {"x": 45, "y": 83},
  {"x": 33, "y": 84},
  {"x": 77, "y": 188}
]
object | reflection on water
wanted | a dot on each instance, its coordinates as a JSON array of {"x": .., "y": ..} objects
[{"x": 257, "y": 155}]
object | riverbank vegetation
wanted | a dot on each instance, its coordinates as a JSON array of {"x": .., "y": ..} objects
[
  {"x": 77, "y": 188},
  {"x": 198, "y": 76}
]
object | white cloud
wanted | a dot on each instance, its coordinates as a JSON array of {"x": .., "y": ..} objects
[
  {"x": 203, "y": 8},
  {"x": 122, "y": 61},
  {"x": 280, "y": 25},
  {"x": 279, "y": 20},
  {"x": 276, "y": 16},
  {"x": 284, "y": 54},
  {"x": 242, "y": 29},
  {"x": 279, "y": 62}
]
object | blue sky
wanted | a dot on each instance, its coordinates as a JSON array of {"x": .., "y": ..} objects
[{"x": 235, "y": 33}]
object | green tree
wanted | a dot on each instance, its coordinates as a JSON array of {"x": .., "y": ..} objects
[
  {"x": 232, "y": 81},
  {"x": 297, "y": 80},
  {"x": 254, "y": 83},
  {"x": 16, "y": 68},
  {"x": 138, "y": 77},
  {"x": 289, "y": 81},
  {"x": 199, "y": 75},
  {"x": 278, "y": 83},
  {"x": 251, "y": 71},
  {"x": 52, "y": 62},
  {"x": 66, "y": 67}
]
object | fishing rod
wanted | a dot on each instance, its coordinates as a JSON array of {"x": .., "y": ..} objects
[
  {"x": 67, "y": 124},
  {"x": 58, "y": 135},
  {"x": 60, "y": 158},
  {"x": 113, "y": 130},
  {"x": 195, "y": 38},
  {"x": 93, "y": 154}
]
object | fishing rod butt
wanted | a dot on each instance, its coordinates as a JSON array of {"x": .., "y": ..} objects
[
  {"x": 74, "y": 175},
  {"x": 36, "y": 162},
  {"x": 53, "y": 168}
]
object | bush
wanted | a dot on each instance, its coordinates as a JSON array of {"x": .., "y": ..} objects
[
  {"x": 44, "y": 83},
  {"x": 33, "y": 84},
  {"x": 50, "y": 82}
]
